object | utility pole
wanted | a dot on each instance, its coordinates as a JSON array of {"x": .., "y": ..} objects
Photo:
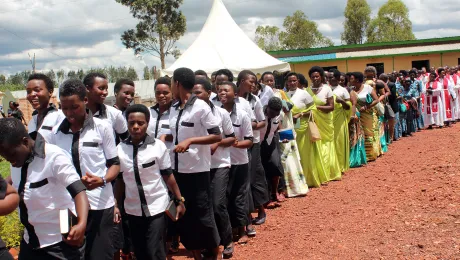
[{"x": 32, "y": 62}]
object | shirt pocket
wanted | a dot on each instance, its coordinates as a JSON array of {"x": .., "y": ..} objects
[{"x": 187, "y": 124}]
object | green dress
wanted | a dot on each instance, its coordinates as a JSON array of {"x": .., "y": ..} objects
[{"x": 341, "y": 135}]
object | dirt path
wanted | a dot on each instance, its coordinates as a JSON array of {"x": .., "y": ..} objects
[{"x": 406, "y": 205}]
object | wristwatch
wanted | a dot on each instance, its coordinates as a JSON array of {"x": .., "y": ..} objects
[
  {"x": 177, "y": 201},
  {"x": 105, "y": 182}
]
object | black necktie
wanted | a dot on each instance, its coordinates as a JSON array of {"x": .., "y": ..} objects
[{"x": 269, "y": 127}]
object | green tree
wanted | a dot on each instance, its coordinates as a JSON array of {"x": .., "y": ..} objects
[
  {"x": 16, "y": 79},
  {"x": 268, "y": 38},
  {"x": 160, "y": 26},
  {"x": 122, "y": 72},
  {"x": 2, "y": 79},
  {"x": 132, "y": 74},
  {"x": 80, "y": 74},
  {"x": 301, "y": 33},
  {"x": 146, "y": 73},
  {"x": 357, "y": 18},
  {"x": 176, "y": 53},
  {"x": 72, "y": 74},
  {"x": 60, "y": 75},
  {"x": 391, "y": 24}
]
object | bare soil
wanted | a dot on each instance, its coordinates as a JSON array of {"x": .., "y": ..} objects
[{"x": 406, "y": 205}]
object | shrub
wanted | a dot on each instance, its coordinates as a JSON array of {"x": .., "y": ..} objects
[{"x": 11, "y": 229}]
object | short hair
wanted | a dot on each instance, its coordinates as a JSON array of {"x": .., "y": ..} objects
[
  {"x": 404, "y": 72},
  {"x": 433, "y": 74},
  {"x": 227, "y": 73},
  {"x": 383, "y": 77},
  {"x": 229, "y": 83},
  {"x": 316, "y": 69},
  {"x": 138, "y": 108},
  {"x": 243, "y": 74},
  {"x": 359, "y": 76},
  {"x": 163, "y": 81},
  {"x": 275, "y": 103},
  {"x": 302, "y": 79},
  {"x": 440, "y": 70},
  {"x": 88, "y": 81},
  {"x": 290, "y": 74},
  {"x": 265, "y": 74},
  {"x": 201, "y": 73},
  {"x": 336, "y": 73},
  {"x": 205, "y": 83},
  {"x": 72, "y": 87},
  {"x": 413, "y": 71},
  {"x": 214, "y": 73},
  {"x": 122, "y": 82},
  {"x": 370, "y": 69},
  {"x": 379, "y": 84},
  {"x": 48, "y": 82},
  {"x": 391, "y": 77},
  {"x": 185, "y": 77},
  {"x": 12, "y": 132}
]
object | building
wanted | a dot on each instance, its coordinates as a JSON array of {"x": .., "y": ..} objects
[{"x": 386, "y": 57}]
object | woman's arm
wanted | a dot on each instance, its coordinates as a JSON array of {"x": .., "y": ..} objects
[
  {"x": 329, "y": 107},
  {"x": 11, "y": 200}
]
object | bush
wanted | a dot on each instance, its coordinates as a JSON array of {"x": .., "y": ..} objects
[{"x": 11, "y": 229}]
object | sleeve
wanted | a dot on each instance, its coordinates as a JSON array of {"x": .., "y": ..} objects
[
  {"x": 451, "y": 89},
  {"x": 308, "y": 99},
  {"x": 329, "y": 93},
  {"x": 120, "y": 126},
  {"x": 108, "y": 144},
  {"x": 246, "y": 127},
  {"x": 67, "y": 176},
  {"x": 209, "y": 121},
  {"x": 259, "y": 111},
  {"x": 227, "y": 126},
  {"x": 3, "y": 187},
  {"x": 346, "y": 95},
  {"x": 164, "y": 161}
]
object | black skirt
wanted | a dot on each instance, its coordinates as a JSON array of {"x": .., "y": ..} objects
[
  {"x": 259, "y": 187},
  {"x": 197, "y": 228}
]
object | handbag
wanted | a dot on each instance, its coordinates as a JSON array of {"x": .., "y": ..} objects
[
  {"x": 313, "y": 128},
  {"x": 402, "y": 108}
]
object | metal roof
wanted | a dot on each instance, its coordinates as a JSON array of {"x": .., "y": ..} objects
[{"x": 329, "y": 56}]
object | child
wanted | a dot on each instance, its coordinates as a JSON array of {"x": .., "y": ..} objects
[
  {"x": 47, "y": 183},
  {"x": 145, "y": 177},
  {"x": 239, "y": 173},
  {"x": 90, "y": 143}
]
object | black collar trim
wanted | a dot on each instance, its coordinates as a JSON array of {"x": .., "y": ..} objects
[
  {"x": 190, "y": 102},
  {"x": 89, "y": 122},
  {"x": 147, "y": 140}
]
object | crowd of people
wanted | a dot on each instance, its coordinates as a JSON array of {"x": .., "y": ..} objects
[{"x": 202, "y": 166}]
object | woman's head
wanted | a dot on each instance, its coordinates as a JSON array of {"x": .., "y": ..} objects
[
  {"x": 138, "y": 117},
  {"x": 97, "y": 87},
  {"x": 183, "y": 81},
  {"x": 370, "y": 72},
  {"x": 356, "y": 78},
  {"x": 223, "y": 75},
  {"x": 246, "y": 81},
  {"x": 433, "y": 76},
  {"x": 163, "y": 93},
  {"x": 292, "y": 81},
  {"x": 268, "y": 79},
  {"x": 202, "y": 89},
  {"x": 124, "y": 93},
  {"x": 303, "y": 82},
  {"x": 316, "y": 75},
  {"x": 13, "y": 105},
  {"x": 227, "y": 91},
  {"x": 39, "y": 90},
  {"x": 274, "y": 107}
]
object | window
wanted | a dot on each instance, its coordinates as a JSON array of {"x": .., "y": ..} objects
[
  {"x": 419, "y": 64},
  {"x": 327, "y": 69},
  {"x": 458, "y": 61},
  {"x": 379, "y": 67}
]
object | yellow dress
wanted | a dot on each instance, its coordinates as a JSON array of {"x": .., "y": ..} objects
[{"x": 341, "y": 135}]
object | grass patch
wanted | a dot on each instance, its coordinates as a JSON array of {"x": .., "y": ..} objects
[{"x": 4, "y": 168}]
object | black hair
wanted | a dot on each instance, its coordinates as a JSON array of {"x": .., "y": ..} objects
[
  {"x": 13, "y": 103},
  {"x": 201, "y": 73},
  {"x": 302, "y": 80},
  {"x": 214, "y": 73},
  {"x": 12, "y": 132},
  {"x": 440, "y": 70},
  {"x": 359, "y": 76},
  {"x": 244, "y": 74},
  {"x": 48, "y": 82},
  {"x": 413, "y": 71},
  {"x": 138, "y": 108},
  {"x": 122, "y": 82},
  {"x": 225, "y": 72},
  {"x": 404, "y": 72},
  {"x": 185, "y": 77},
  {"x": 380, "y": 84},
  {"x": 88, "y": 81},
  {"x": 72, "y": 87},
  {"x": 275, "y": 103},
  {"x": 383, "y": 77},
  {"x": 265, "y": 74},
  {"x": 163, "y": 81},
  {"x": 290, "y": 74},
  {"x": 336, "y": 73},
  {"x": 391, "y": 78},
  {"x": 205, "y": 83},
  {"x": 316, "y": 69},
  {"x": 229, "y": 83},
  {"x": 434, "y": 73}
]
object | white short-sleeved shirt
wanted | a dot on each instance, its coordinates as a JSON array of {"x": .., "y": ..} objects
[
  {"x": 324, "y": 93},
  {"x": 258, "y": 111},
  {"x": 341, "y": 92},
  {"x": 221, "y": 157},
  {"x": 241, "y": 104},
  {"x": 159, "y": 124},
  {"x": 193, "y": 120},
  {"x": 243, "y": 131},
  {"x": 301, "y": 98},
  {"x": 115, "y": 118},
  {"x": 91, "y": 149},
  {"x": 45, "y": 125},
  {"x": 367, "y": 89},
  {"x": 265, "y": 94},
  {"x": 142, "y": 168},
  {"x": 48, "y": 182},
  {"x": 273, "y": 123}
]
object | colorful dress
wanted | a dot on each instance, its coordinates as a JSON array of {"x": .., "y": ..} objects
[
  {"x": 341, "y": 133},
  {"x": 296, "y": 184},
  {"x": 357, "y": 147}
]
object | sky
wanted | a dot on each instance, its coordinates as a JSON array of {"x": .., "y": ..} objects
[{"x": 73, "y": 34}]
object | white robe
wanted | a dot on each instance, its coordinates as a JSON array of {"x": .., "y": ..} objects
[
  {"x": 457, "y": 93},
  {"x": 435, "y": 118},
  {"x": 452, "y": 96}
]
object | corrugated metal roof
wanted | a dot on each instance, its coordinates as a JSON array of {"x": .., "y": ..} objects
[{"x": 329, "y": 56}]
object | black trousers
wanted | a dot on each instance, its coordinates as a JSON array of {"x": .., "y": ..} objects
[
  {"x": 238, "y": 190},
  {"x": 219, "y": 186},
  {"x": 148, "y": 236},
  {"x": 5, "y": 254},
  {"x": 61, "y": 251},
  {"x": 197, "y": 228},
  {"x": 259, "y": 187},
  {"x": 100, "y": 235},
  {"x": 271, "y": 161}
]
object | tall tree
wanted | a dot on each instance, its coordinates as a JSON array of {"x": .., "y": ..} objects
[
  {"x": 268, "y": 38},
  {"x": 132, "y": 74},
  {"x": 60, "y": 75},
  {"x": 301, "y": 33},
  {"x": 147, "y": 73},
  {"x": 72, "y": 74},
  {"x": 2, "y": 79},
  {"x": 391, "y": 24},
  {"x": 357, "y": 17},
  {"x": 160, "y": 26},
  {"x": 81, "y": 74}
]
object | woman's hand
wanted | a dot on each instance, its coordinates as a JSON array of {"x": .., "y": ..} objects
[{"x": 363, "y": 108}]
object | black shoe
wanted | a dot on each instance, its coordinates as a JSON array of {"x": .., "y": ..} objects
[
  {"x": 228, "y": 252},
  {"x": 251, "y": 231},
  {"x": 259, "y": 221}
]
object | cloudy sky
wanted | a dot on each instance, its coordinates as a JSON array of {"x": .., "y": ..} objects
[{"x": 72, "y": 34}]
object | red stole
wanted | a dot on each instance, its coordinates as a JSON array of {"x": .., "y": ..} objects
[
  {"x": 447, "y": 98},
  {"x": 432, "y": 101},
  {"x": 455, "y": 77}
]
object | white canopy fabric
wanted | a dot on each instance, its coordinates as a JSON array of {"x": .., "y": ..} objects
[{"x": 223, "y": 45}]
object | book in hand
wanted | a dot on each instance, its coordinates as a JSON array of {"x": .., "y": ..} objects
[
  {"x": 286, "y": 134},
  {"x": 67, "y": 220},
  {"x": 171, "y": 210}
]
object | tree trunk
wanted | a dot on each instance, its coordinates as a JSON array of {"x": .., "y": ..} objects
[{"x": 161, "y": 40}]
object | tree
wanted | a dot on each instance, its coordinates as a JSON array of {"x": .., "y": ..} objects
[
  {"x": 391, "y": 24},
  {"x": 72, "y": 74},
  {"x": 16, "y": 79},
  {"x": 160, "y": 26},
  {"x": 268, "y": 38},
  {"x": 132, "y": 74},
  {"x": 176, "y": 53},
  {"x": 146, "y": 73},
  {"x": 2, "y": 79},
  {"x": 80, "y": 74},
  {"x": 357, "y": 18},
  {"x": 60, "y": 75},
  {"x": 301, "y": 33}
]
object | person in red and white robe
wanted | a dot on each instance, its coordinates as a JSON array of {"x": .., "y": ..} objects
[
  {"x": 434, "y": 112},
  {"x": 448, "y": 96},
  {"x": 456, "y": 80}
]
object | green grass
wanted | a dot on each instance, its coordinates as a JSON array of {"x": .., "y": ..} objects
[
  {"x": 4, "y": 168},
  {"x": 11, "y": 229}
]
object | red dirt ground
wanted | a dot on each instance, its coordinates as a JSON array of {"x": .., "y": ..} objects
[{"x": 406, "y": 205}]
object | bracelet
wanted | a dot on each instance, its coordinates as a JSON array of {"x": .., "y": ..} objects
[
  {"x": 178, "y": 201},
  {"x": 104, "y": 181}
]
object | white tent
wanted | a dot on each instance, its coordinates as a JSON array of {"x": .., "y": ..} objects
[{"x": 223, "y": 45}]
